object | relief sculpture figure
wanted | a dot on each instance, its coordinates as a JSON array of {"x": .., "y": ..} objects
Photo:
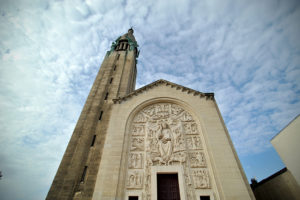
[
  {"x": 197, "y": 159},
  {"x": 138, "y": 130},
  {"x": 194, "y": 142},
  {"x": 136, "y": 161},
  {"x": 165, "y": 142},
  {"x": 135, "y": 180},
  {"x": 178, "y": 139},
  {"x": 177, "y": 157},
  {"x": 201, "y": 179},
  {"x": 137, "y": 144}
]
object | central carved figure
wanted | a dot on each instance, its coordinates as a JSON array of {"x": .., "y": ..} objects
[{"x": 165, "y": 138}]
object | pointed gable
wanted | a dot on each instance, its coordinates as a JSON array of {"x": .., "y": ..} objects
[{"x": 166, "y": 83}]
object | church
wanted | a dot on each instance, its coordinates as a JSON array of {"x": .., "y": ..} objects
[{"x": 163, "y": 141}]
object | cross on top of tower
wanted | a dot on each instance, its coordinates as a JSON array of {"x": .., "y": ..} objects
[{"x": 130, "y": 30}]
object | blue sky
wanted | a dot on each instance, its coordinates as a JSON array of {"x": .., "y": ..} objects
[{"x": 246, "y": 52}]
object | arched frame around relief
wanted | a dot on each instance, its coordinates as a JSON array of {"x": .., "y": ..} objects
[{"x": 124, "y": 162}]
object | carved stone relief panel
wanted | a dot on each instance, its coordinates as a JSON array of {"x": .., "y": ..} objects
[
  {"x": 135, "y": 179},
  {"x": 137, "y": 144},
  {"x": 138, "y": 130},
  {"x": 140, "y": 118},
  {"x": 179, "y": 144},
  {"x": 194, "y": 142},
  {"x": 165, "y": 134},
  {"x": 201, "y": 178},
  {"x": 136, "y": 160},
  {"x": 189, "y": 184},
  {"x": 187, "y": 128},
  {"x": 186, "y": 117},
  {"x": 176, "y": 110},
  {"x": 190, "y": 128},
  {"x": 194, "y": 128},
  {"x": 147, "y": 183},
  {"x": 197, "y": 159},
  {"x": 150, "y": 110}
]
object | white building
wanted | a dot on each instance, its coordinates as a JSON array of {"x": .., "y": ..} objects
[{"x": 287, "y": 145}]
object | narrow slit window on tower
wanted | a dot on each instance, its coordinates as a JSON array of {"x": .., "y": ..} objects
[
  {"x": 115, "y": 67},
  {"x": 83, "y": 174},
  {"x": 111, "y": 79},
  {"x": 101, "y": 113},
  {"x": 118, "y": 56},
  {"x": 106, "y": 96},
  {"x": 93, "y": 141}
]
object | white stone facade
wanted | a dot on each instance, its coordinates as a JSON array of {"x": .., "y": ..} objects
[
  {"x": 165, "y": 129},
  {"x": 286, "y": 144}
]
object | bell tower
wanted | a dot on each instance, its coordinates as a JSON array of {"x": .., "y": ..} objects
[{"x": 77, "y": 172}]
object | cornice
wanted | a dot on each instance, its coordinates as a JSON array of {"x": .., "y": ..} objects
[{"x": 209, "y": 96}]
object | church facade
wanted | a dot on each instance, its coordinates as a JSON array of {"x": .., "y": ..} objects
[{"x": 162, "y": 141}]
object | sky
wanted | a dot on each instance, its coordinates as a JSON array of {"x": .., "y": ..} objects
[{"x": 247, "y": 52}]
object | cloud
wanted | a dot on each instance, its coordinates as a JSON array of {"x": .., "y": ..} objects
[{"x": 245, "y": 52}]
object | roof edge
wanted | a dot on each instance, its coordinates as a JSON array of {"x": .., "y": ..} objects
[
  {"x": 167, "y": 83},
  {"x": 269, "y": 178},
  {"x": 285, "y": 127}
]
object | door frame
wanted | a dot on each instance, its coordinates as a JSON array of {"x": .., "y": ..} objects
[{"x": 167, "y": 170}]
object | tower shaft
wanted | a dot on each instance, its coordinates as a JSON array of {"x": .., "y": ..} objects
[{"x": 76, "y": 175}]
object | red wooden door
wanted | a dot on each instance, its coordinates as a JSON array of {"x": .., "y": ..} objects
[{"x": 167, "y": 187}]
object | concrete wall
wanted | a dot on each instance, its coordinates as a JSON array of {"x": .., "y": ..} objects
[
  {"x": 287, "y": 145},
  {"x": 280, "y": 186}
]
